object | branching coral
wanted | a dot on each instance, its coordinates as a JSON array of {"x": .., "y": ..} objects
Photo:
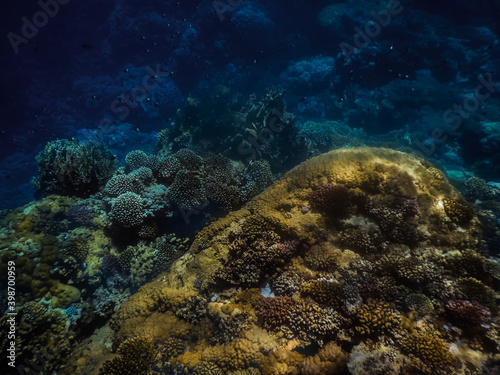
[
  {"x": 474, "y": 290},
  {"x": 419, "y": 303},
  {"x": 431, "y": 350},
  {"x": 395, "y": 226},
  {"x": 274, "y": 310},
  {"x": 134, "y": 357},
  {"x": 128, "y": 210},
  {"x": 78, "y": 247},
  {"x": 187, "y": 190},
  {"x": 136, "y": 159},
  {"x": 309, "y": 321},
  {"x": 252, "y": 256},
  {"x": 332, "y": 199},
  {"x": 458, "y": 211},
  {"x": 119, "y": 185},
  {"x": 168, "y": 168},
  {"x": 377, "y": 317},
  {"x": 330, "y": 360},
  {"x": 324, "y": 291},
  {"x": 363, "y": 241},
  {"x": 257, "y": 177},
  {"x": 322, "y": 258},
  {"x": 73, "y": 168},
  {"x": 470, "y": 315}
]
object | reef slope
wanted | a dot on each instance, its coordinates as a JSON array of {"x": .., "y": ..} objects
[{"x": 362, "y": 260}]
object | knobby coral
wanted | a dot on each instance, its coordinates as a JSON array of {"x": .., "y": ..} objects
[
  {"x": 73, "y": 167},
  {"x": 274, "y": 289}
]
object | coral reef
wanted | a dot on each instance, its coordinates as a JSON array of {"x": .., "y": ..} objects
[
  {"x": 331, "y": 359},
  {"x": 41, "y": 337},
  {"x": 134, "y": 356},
  {"x": 252, "y": 131},
  {"x": 431, "y": 350},
  {"x": 376, "y": 273},
  {"x": 73, "y": 168},
  {"x": 128, "y": 210}
]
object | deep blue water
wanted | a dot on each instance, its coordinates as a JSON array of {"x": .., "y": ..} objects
[{"x": 62, "y": 77}]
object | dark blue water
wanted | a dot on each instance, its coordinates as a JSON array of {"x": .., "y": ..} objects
[{"x": 60, "y": 78}]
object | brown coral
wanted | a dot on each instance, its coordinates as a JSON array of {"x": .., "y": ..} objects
[
  {"x": 309, "y": 321},
  {"x": 377, "y": 317},
  {"x": 332, "y": 199},
  {"x": 330, "y": 360},
  {"x": 324, "y": 291},
  {"x": 236, "y": 259},
  {"x": 431, "y": 350},
  {"x": 458, "y": 211},
  {"x": 474, "y": 290},
  {"x": 77, "y": 247},
  {"x": 323, "y": 258},
  {"x": 134, "y": 358},
  {"x": 274, "y": 310}
]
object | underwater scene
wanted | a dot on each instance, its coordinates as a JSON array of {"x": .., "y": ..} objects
[{"x": 250, "y": 187}]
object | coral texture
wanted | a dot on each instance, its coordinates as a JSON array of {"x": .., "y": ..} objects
[
  {"x": 377, "y": 273},
  {"x": 73, "y": 168}
]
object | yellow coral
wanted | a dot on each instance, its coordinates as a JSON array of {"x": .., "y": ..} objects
[
  {"x": 196, "y": 310},
  {"x": 432, "y": 350},
  {"x": 64, "y": 295},
  {"x": 376, "y": 317},
  {"x": 459, "y": 212},
  {"x": 330, "y": 360},
  {"x": 134, "y": 358}
]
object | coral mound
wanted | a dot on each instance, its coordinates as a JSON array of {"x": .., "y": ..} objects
[
  {"x": 278, "y": 289},
  {"x": 73, "y": 168}
]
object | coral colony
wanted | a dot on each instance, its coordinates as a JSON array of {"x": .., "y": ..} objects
[{"x": 253, "y": 188}]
